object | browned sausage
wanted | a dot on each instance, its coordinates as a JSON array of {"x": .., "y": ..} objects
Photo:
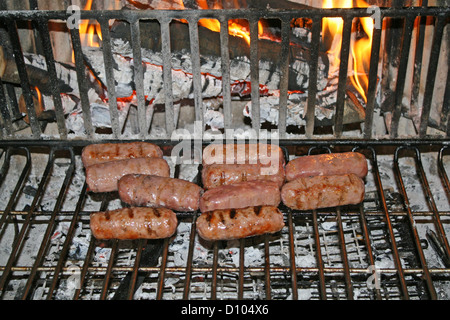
[
  {"x": 103, "y": 177},
  {"x": 239, "y": 223},
  {"x": 133, "y": 223},
  {"x": 223, "y": 174},
  {"x": 327, "y": 164},
  {"x": 104, "y": 152},
  {"x": 241, "y": 195},
  {"x": 323, "y": 191},
  {"x": 242, "y": 153},
  {"x": 155, "y": 191}
]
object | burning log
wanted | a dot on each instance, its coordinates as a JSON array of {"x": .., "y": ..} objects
[
  {"x": 209, "y": 49},
  {"x": 38, "y": 77}
]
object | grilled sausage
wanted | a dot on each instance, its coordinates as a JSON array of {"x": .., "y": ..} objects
[
  {"x": 155, "y": 191},
  {"x": 224, "y": 174},
  {"x": 239, "y": 223},
  {"x": 103, "y": 177},
  {"x": 323, "y": 191},
  {"x": 133, "y": 223},
  {"x": 104, "y": 152},
  {"x": 241, "y": 195},
  {"x": 327, "y": 164},
  {"x": 243, "y": 153}
]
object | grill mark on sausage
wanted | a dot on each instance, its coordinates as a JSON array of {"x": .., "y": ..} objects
[
  {"x": 233, "y": 213},
  {"x": 130, "y": 213},
  {"x": 107, "y": 216},
  {"x": 157, "y": 212},
  {"x": 257, "y": 210}
]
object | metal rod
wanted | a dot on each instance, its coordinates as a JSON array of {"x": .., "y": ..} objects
[
  {"x": 427, "y": 276},
  {"x": 395, "y": 252},
  {"x": 167, "y": 74},
  {"x": 373, "y": 81},
  {"x": 292, "y": 256},
  {"x": 284, "y": 80},
  {"x": 45, "y": 240},
  {"x": 137, "y": 260},
  {"x": 430, "y": 198},
  {"x": 225, "y": 65},
  {"x": 196, "y": 73},
  {"x": 431, "y": 74},
  {"x": 348, "y": 279},
  {"x": 319, "y": 260},
  {"x": 19, "y": 185},
  {"x": 42, "y": 27},
  {"x": 254, "y": 75},
  {"x": 82, "y": 83},
  {"x": 20, "y": 237},
  {"x": 214, "y": 270},
  {"x": 189, "y": 259},
  {"x": 312, "y": 88},
  {"x": 162, "y": 271},
  {"x": 23, "y": 75},
  {"x": 108, "y": 273},
  {"x": 109, "y": 75},
  {"x": 343, "y": 67},
  {"x": 67, "y": 242},
  {"x": 5, "y": 115},
  {"x": 401, "y": 75},
  {"x": 241, "y": 268},
  {"x": 138, "y": 76},
  {"x": 267, "y": 267}
]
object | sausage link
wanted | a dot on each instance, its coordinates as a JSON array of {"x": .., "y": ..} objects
[
  {"x": 241, "y": 195},
  {"x": 133, "y": 223},
  {"x": 242, "y": 153},
  {"x": 215, "y": 175},
  {"x": 239, "y": 223},
  {"x": 327, "y": 164},
  {"x": 104, "y": 177},
  {"x": 104, "y": 152},
  {"x": 155, "y": 191},
  {"x": 323, "y": 191}
]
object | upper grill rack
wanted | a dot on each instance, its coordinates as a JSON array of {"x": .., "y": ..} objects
[
  {"x": 48, "y": 253},
  {"x": 40, "y": 19}
]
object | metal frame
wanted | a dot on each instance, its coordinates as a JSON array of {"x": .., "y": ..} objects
[
  {"x": 291, "y": 271},
  {"x": 164, "y": 17}
]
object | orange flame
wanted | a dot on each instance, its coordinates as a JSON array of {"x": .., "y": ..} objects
[
  {"x": 360, "y": 48},
  {"x": 89, "y": 30},
  {"x": 235, "y": 28}
]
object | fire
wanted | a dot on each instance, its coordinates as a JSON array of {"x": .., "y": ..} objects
[
  {"x": 235, "y": 27},
  {"x": 360, "y": 48},
  {"x": 90, "y": 30}
]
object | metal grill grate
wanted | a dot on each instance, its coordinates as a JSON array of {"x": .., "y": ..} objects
[{"x": 48, "y": 253}]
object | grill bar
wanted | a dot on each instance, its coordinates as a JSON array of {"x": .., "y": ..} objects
[{"x": 412, "y": 223}]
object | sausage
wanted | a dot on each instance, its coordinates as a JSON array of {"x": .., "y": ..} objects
[
  {"x": 133, "y": 223},
  {"x": 104, "y": 152},
  {"x": 327, "y": 164},
  {"x": 104, "y": 177},
  {"x": 215, "y": 175},
  {"x": 239, "y": 223},
  {"x": 242, "y": 153},
  {"x": 155, "y": 191},
  {"x": 316, "y": 192},
  {"x": 241, "y": 195}
]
